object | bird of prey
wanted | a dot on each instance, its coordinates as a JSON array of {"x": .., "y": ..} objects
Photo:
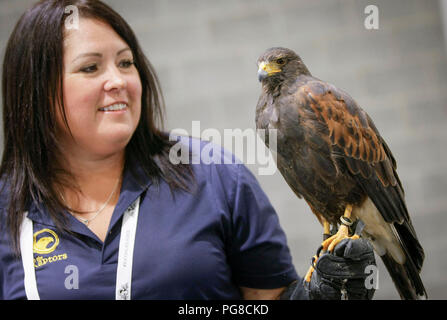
[{"x": 331, "y": 154}]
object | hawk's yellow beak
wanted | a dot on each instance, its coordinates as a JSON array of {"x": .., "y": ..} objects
[{"x": 267, "y": 69}]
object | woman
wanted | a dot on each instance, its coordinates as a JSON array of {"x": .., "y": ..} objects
[
  {"x": 93, "y": 150},
  {"x": 91, "y": 206}
]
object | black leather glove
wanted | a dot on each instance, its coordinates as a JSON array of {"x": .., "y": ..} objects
[
  {"x": 343, "y": 272},
  {"x": 338, "y": 275}
]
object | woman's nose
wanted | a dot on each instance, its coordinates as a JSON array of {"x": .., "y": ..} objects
[{"x": 115, "y": 80}]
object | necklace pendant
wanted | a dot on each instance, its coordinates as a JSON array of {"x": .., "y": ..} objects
[{"x": 87, "y": 221}]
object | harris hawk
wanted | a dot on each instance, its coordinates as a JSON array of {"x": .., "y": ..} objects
[{"x": 331, "y": 154}]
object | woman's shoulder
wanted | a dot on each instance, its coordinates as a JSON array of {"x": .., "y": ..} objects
[
  {"x": 216, "y": 166},
  {"x": 204, "y": 156}
]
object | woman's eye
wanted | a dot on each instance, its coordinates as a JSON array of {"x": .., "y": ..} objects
[
  {"x": 90, "y": 69},
  {"x": 126, "y": 63}
]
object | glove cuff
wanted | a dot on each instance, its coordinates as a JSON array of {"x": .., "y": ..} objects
[{"x": 295, "y": 291}]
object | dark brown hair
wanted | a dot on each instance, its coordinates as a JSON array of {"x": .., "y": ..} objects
[{"x": 31, "y": 85}]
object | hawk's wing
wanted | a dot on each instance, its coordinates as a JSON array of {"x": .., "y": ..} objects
[{"x": 355, "y": 139}]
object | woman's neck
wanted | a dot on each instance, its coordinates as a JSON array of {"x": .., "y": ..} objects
[{"x": 96, "y": 179}]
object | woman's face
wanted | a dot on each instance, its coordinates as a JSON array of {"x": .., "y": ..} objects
[{"x": 102, "y": 91}]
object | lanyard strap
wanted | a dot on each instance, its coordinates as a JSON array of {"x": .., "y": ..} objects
[
  {"x": 125, "y": 254},
  {"x": 26, "y": 250}
]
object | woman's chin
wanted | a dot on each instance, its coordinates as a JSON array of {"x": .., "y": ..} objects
[
  {"x": 116, "y": 133},
  {"x": 113, "y": 143}
]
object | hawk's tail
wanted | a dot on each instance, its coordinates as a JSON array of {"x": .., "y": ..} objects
[
  {"x": 403, "y": 277},
  {"x": 406, "y": 276}
]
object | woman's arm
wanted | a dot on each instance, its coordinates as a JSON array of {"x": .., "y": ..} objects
[{"x": 261, "y": 294}]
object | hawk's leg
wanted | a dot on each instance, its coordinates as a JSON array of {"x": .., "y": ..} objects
[
  {"x": 326, "y": 230},
  {"x": 342, "y": 233},
  {"x": 330, "y": 242}
]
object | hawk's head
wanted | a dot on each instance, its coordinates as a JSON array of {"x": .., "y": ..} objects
[{"x": 278, "y": 64}]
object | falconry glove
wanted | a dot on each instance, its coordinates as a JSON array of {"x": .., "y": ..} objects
[
  {"x": 343, "y": 273},
  {"x": 337, "y": 275}
]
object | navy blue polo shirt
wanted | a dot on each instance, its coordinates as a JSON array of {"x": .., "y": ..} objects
[{"x": 200, "y": 245}]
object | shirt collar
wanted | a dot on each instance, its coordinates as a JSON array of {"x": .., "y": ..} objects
[{"x": 132, "y": 187}]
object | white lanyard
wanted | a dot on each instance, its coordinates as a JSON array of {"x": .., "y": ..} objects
[{"x": 125, "y": 254}]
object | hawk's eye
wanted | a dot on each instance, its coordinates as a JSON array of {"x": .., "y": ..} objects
[{"x": 280, "y": 61}]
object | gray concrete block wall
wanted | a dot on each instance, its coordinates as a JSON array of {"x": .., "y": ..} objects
[{"x": 205, "y": 54}]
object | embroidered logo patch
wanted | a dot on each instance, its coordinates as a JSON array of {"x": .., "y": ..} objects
[{"x": 45, "y": 241}]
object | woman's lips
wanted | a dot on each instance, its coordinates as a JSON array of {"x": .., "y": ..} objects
[{"x": 116, "y": 107}]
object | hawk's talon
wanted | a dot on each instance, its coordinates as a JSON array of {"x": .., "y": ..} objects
[
  {"x": 308, "y": 275},
  {"x": 319, "y": 251},
  {"x": 343, "y": 233}
]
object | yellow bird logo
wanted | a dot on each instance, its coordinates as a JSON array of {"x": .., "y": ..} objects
[{"x": 42, "y": 245}]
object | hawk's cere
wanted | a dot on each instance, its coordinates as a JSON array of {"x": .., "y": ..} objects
[{"x": 331, "y": 154}]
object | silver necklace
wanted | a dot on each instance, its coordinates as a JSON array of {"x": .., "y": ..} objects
[{"x": 96, "y": 213}]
